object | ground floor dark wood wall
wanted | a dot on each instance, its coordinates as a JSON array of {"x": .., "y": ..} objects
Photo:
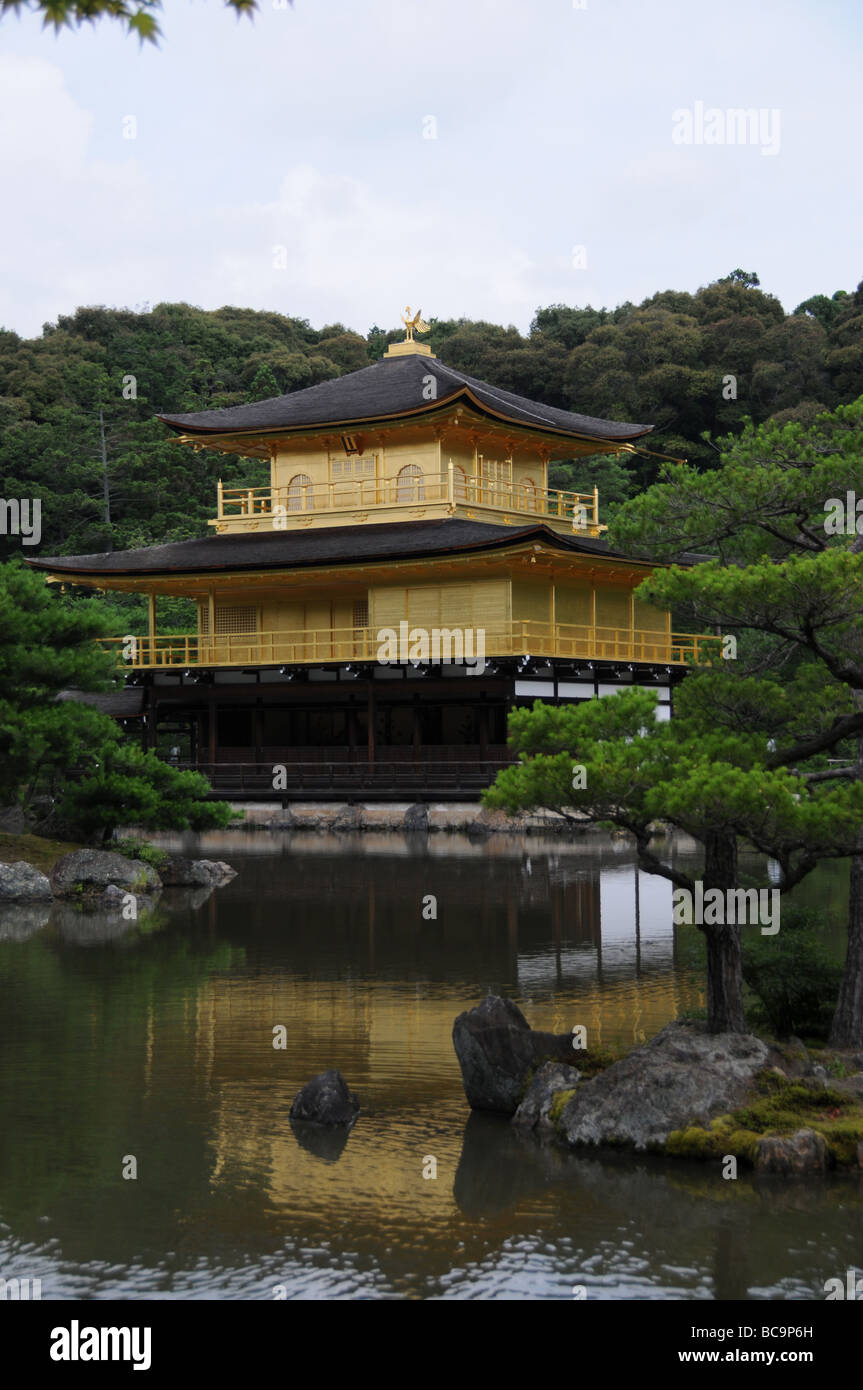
[{"x": 337, "y": 717}]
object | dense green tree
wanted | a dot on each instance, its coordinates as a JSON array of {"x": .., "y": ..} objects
[
  {"x": 65, "y": 748},
  {"x": 610, "y": 762},
  {"x": 118, "y": 784},
  {"x": 741, "y": 277},
  {"x": 264, "y": 386},
  {"x": 787, "y": 576},
  {"x": 746, "y": 756}
]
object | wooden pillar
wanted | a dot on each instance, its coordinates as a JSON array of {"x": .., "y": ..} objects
[
  {"x": 211, "y": 624},
  {"x": 258, "y": 728},
  {"x": 371, "y": 720},
  {"x": 632, "y": 652},
  {"x": 417, "y": 731},
  {"x": 483, "y": 731},
  {"x": 211, "y": 725},
  {"x": 351, "y": 715},
  {"x": 150, "y": 719},
  {"x": 151, "y": 626}
]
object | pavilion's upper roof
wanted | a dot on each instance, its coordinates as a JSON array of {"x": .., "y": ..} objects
[{"x": 396, "y": 388}]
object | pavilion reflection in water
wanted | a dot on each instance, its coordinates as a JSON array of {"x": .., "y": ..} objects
[{"x": 341, "y": 956}]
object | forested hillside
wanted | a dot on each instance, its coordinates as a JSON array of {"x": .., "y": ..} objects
[{"x": 665, "y": 362}]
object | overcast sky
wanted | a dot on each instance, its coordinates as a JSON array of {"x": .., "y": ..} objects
[{"x": 307, "y": 130}]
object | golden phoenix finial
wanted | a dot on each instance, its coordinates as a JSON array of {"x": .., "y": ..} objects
[{"x": 413, "y": 323}]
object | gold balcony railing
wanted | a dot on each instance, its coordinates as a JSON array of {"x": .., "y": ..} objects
[
  {"x": 313, "y": 647},
  {"x": 452, "y": 488}
]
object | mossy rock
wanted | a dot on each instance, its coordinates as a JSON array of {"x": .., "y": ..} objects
[
  {"x": 781, "y": 1108},
  {"x": 725, "y": 1136},
  {"x": 561, "y": 1100}
]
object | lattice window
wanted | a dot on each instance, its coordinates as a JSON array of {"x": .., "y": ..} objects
[
  {"x": 361, "y": 612},
  {"x": 299, "y": 493},
  {"x": 231, "y": 620},
  {"x": 496, "y": 473},
  {"x": 410, "y": 484},
  {"x": 356, "y": 467}
]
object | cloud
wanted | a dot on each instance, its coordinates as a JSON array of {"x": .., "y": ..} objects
[
  {"x": 305, "y": 130},
  {"x": 72, "y": 215},
  {"x": 94, "y": 230},
  {"x": 356, "y": 254}
]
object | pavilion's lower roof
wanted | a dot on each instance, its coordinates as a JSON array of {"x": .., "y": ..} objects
[{"x": 337, "y": 545}]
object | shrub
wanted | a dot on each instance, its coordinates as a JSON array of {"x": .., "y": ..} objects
[
  {"x": 793, "y": 977},
  {"x": 139, "y": 849}
]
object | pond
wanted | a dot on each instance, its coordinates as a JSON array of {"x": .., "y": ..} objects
[{"x": 153, "y": 1041}]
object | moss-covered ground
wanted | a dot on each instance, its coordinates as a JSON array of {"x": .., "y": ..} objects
[
  {"x": 41, "y": 853},
  {"x": 778, "y": 1105}
]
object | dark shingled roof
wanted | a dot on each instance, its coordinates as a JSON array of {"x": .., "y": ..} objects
[
  {"x": 392, "y": 388},
  {"x": 122, "y": 704},
  {"x": 334, "y": 545}
]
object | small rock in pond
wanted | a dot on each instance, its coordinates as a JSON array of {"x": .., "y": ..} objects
[
  {"x": 326, "y": 1100},
  {"x": 798, "y": 1154},
  {"x": 179, "y": 872},
  {"x": 21, "y": 882}
]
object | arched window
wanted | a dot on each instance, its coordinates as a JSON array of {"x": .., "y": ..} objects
[
  {"x": 299, "y": 498},
  {"x": 410, "y": 484}
]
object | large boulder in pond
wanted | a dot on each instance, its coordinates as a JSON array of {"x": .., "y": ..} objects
[
  {"x": 179, "y": 872},
  {"x": 22, "y": 883},
  {"x": 684, "y": 1076},
  {"x": 89, "y": 871},
  {"x": 497, "y": 1048},
  {"x": 326, "y": 1100}
]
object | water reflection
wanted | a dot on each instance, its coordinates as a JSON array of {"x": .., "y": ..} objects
[{"x": 157, "y": 1041}]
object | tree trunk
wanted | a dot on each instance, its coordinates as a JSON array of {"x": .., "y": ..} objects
[
  {"x": 847, "y": 1028},
  {"x": 724, "y": 957},
  {"x": 106, "y": 491}
]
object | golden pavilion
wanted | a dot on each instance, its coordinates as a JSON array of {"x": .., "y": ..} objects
[{"x": 406, "y": 501}]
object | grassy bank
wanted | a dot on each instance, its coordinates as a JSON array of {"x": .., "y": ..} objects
[{"x": 39, "y": 852}]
